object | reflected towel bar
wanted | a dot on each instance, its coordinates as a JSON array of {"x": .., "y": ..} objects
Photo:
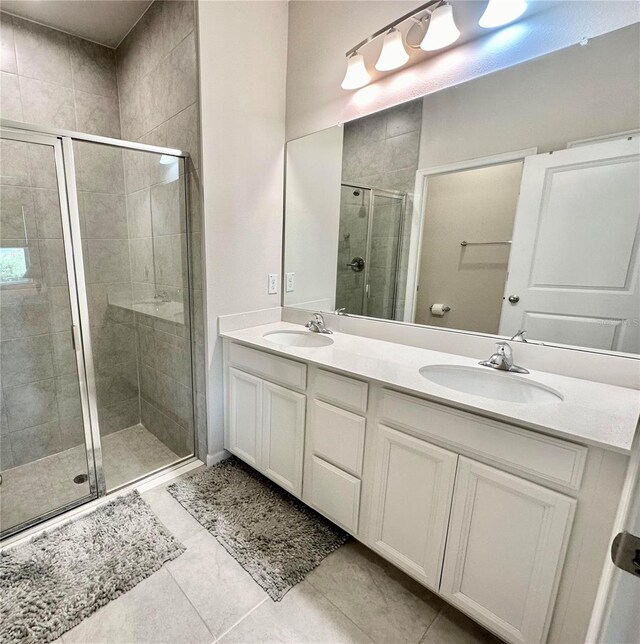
[{"x": 466, "y": 243}]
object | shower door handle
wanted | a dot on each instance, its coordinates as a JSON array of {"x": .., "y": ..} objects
[
  {"x": 356, "y": 264},
  {"x": 75, "y": 338}
]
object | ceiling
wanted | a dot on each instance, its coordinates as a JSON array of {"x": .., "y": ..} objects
[{"x": 103, "y": 21}]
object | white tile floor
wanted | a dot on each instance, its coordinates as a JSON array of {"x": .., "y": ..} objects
[
  {"x": 46, "y": 484},
  {"x": 205, "y": 596}
]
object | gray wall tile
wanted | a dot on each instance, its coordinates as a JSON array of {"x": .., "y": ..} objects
[
  {"x": 94, "y": 68},
  {"x": 26, "y": 360},
  {"x": 108, "y": 261},
  {"x": 10, "y": 97},
  {"x": 105, "y": 216},
  {"x": 42, "y": 53},
  {"x": 47, "y": 103},
  {"x": 97, "y": 114},
  {"x": 31, "y": 404},
  {"x": 36, "y": 442},
  {"x": 7, "y": 46}
]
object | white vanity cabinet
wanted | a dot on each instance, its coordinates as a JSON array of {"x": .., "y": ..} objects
[
  {"x": 265, "y": 421},
  {"x": 505, "y": 549},
  {"x": 478, "y": 510},
  {"x": 411, "y": 499}
]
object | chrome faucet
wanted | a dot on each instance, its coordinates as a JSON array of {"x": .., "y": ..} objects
[
  {"x": 519, "y": 336},
  {"x": 317, "y": 324},
  {"x": 502, "y": 359}
]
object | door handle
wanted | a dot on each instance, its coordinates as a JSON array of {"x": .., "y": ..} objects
[
  {"x": 356, "y": 264},
  {"x": 514, "y": 299},
  {"x": 625, "y": 552}
]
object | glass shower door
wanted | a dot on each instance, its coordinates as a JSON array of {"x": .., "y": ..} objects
[
  {"x": 45, "y": 459},
  {"x": 385, "y": 236}
]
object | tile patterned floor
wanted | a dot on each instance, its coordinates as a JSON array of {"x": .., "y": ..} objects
[
  {"x": 205, "y": 596},
  {"x": 46, "y": 484}
]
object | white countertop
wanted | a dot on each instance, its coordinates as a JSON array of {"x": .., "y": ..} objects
[{"x": 591, "y": 413}]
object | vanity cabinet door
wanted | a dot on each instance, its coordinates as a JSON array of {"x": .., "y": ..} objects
[
  {"x": 413, "y": 488},
  {"x": 283, "y": 436},
  {"x": 505, "y": 550},
  {"x": 245, "y": 416}
]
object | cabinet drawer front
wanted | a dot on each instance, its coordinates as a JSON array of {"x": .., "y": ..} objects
[
  {"x": 280, "y": 370},
  {"x": 505, "y": 550},
  {"x": 337, "y": 436},
  {"x": 413, "y": 488},
  {"x": 549, "y": 458},
  {"x": 342, "y": 391},
  {"x": 335, "y": 494}
]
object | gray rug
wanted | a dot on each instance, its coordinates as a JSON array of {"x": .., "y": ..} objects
[
  {"x": 53, "y": 582},
  {"x": 276, "y": 538}
]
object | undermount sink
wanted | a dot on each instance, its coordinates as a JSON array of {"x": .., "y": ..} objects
[
  {"x": 298, "y": 338},
  {"x": 482, "y": 381}
]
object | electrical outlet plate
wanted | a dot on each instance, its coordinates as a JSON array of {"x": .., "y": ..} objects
[
  {"x": 273, "y": 284},
  {"x": 290, "y": 283}
]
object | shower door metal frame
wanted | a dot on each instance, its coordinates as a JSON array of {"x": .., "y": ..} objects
[
  {"x": 62, "y": 142},
  {"x": 73, "y": 279},
  {"x": 391, "y": 194}
]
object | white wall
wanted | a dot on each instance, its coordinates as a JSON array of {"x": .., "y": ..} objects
[
  {"x": 320, "y": 33},
  {"x": 243, "y": 48},
  {"x": 314, "y": 171}
]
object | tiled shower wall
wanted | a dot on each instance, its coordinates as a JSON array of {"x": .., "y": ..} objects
[
  {"x": 58, "y": 80},
  {"x": 158, "y": 82},
  {"x": 381, "y": 151}
]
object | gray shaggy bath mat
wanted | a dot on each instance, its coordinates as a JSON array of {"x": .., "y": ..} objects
[
  {"x": 50, "y": 584},
  {"x": 276, "y": 538}
]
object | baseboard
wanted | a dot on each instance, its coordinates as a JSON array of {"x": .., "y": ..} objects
[{"x": 212, "y": 459}]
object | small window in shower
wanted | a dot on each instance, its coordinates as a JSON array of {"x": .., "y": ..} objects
[{"x": 14, "y": 265}]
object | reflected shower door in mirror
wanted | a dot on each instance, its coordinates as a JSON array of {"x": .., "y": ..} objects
[
  {"x": 521, "y": 204},
  {"x": 45, "y": 454},
  {"x": 370, "y": 237},
  {"x": 132, "y": 219}
]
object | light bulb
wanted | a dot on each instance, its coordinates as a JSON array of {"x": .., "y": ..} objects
[
  {"x": 441, "y": 31},
  {"x": 393, "y": 53},
  {"x": 501, "y": 12},
  {"x": 356, "y": 75}
]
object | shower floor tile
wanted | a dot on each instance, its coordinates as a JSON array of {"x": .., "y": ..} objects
[{"x": 41, "y": 486}]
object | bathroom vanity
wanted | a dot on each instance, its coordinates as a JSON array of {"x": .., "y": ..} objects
[{"x": 501, "y": 503}]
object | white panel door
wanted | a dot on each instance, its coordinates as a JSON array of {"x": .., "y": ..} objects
[
  {"x": 505, "y": 550},
  {"x": 413, "y": 487},
  {"x": 245, "y": 416},
  {"x": 574, "y": 257},
  {"x": 283, "y": 436}
]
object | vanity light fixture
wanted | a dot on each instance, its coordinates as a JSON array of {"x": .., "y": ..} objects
[
  {"x": 393, "y": 54},
  {"x": 433, "y": 28},
  {"x": 501, "y": 12},
  {"x": 357, "y": 74},
  {"x": 441, "y": 31}
]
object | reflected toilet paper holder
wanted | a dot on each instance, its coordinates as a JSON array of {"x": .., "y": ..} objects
[{"x": 438, "y": 310}]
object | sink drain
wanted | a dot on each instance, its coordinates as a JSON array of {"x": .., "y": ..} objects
[{"x": 81, "y": 478}]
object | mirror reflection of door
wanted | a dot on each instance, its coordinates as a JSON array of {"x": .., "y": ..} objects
[
  {"x": 476, "y": 206},
  {"x": 573, "y": 272}
]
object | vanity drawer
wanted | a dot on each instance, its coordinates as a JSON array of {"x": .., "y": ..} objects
[
  {"x": 335, "y": 494},
  {"x": 337, "y": 436},
  {"x": 549, "y": 458},
  {"x": 274, "y": 368},
  {"x": 342, "y": 391}
]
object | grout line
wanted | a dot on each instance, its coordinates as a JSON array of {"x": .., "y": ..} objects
[
  {"x": 240, "y": 620},
  {"x": 360, "y": 628},
  {"x": 435, "y": 619},
  {"x": 175, "y": 581}
]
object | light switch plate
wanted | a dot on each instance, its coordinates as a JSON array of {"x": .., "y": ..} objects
[
  {"x": 273, "y": 283},
  {"x": 290, "y": 283}
]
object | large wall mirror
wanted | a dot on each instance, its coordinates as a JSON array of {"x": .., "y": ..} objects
[{"x": 509, "y": 202}]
